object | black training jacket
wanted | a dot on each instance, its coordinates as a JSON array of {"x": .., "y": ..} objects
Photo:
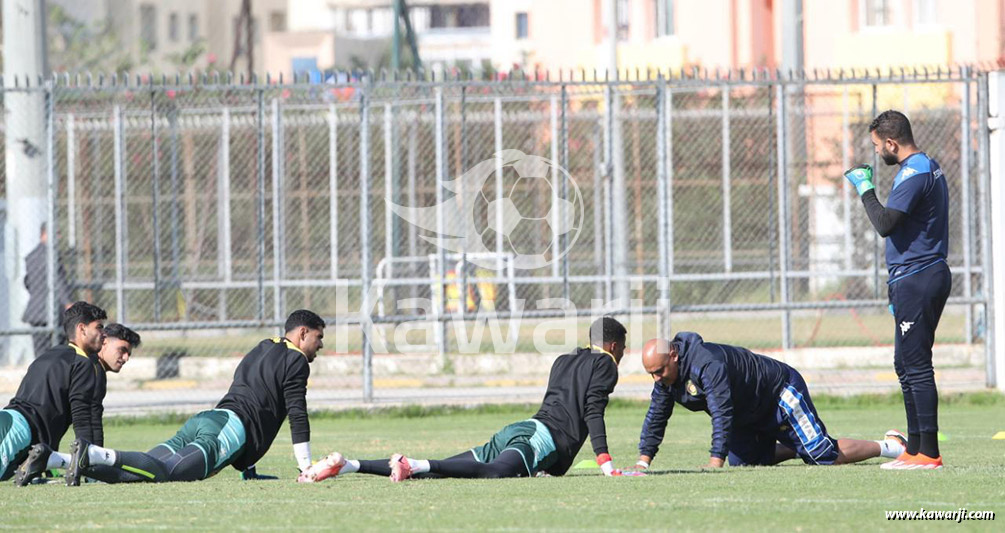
[
  {"x": 578, "y": 389},
  {"x": 269, "y": 384},
  {"x": 57, "y": 390}
]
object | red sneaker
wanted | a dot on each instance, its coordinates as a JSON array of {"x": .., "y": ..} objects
[
  {"x": 329, "y": 466},
  {"x": 401, "y": 469}
]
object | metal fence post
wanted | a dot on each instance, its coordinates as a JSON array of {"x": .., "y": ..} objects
[
  {"x": 564, "y": 238},
  {"x": 849, "y": 242},
  {"x": 260, "y": 123},
  {"x": 498, "y": 139},
  {"x": 727, "y": 205},
  {"x": 877, "y": 242},
  {"x": 440, "y": 306},
  {"x": 155, "y": 201},
  {"x": 277, "y": 209},
  {"x": 783, "y": 216},
  {"x": 553, "y": 111},
  {"x": 119, "y": 154},
  {"x": 967, "y": 231},
  {"x": 364, "y": 232},
  {"x": 661, "y": 176},
  {"x": 226, "y": 264},
  {"x": 50, "y": 176},
  {"x": 992, "y": 315},
  {"x": 333, "y": 189},
  {"x": 71, "y": 180}
]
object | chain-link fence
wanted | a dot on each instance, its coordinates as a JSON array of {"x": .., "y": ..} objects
[{"x": 426, "y": 219}]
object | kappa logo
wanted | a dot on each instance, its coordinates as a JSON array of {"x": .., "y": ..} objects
[
  {"x": 691, "y": 388},
  {"x": 908, "y": 172},
  {"x": 905, "y": 326}
]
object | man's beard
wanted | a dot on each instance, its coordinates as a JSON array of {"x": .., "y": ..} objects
[{"x": 888, "y": 157}]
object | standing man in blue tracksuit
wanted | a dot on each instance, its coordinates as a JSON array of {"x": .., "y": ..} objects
[{"x": 915, "y": 223}]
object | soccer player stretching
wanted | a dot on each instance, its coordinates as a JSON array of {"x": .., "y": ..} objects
[
  {"x": 58, "y": 389},
  {"x": 573, "y": 407},
  {"x": 915, "y": 223},
  {"x": 269, "y": 384}
]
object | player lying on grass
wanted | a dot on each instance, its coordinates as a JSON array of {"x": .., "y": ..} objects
[
  {"x": 573, "y": 406},
  {"x": 58, "y": 389},
  {"x": 761, "y": 410},
  {"x": 269, "y": 384},
  {"x": 116, "y": 348}
]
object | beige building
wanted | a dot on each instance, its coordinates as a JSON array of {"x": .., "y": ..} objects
[{"x": 158, "y": 31}]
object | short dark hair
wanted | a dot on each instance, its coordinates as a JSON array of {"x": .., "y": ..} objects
[
  {"x": 607, "y": 329},
  {"x": 894, "y": 125},
  {"x": 119, "y": 331},
  {"x": 81, "y": 313},
  {"x": 304, "y": 317}
]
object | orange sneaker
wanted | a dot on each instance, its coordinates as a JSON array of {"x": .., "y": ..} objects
[
  {"x": 920, "y": 462},
  {"x": 895, "y": 464},
  {"x": 400, "y": 468}
]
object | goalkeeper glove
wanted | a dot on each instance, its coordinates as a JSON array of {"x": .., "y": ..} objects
[
  {"x": 251, "y": 473},
  {"x": 607, "y": 465},
  {"x": 861, "y": 178}
]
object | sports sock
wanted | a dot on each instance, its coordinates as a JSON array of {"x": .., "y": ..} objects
[
  {"x": 101, "y": 456},
  {"x": 419, "y": 466},
  {"x": 913, "y": 443},
  {"x": 376, "y": 467},
  {"x": 890, "y": 448},
  {"x": 929, "y": 443},
  {"x": 351, "y": 465},
  {"x": 57, "y": 460}
]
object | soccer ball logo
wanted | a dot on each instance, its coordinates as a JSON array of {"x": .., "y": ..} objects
[{"x": 530, "y": 220}]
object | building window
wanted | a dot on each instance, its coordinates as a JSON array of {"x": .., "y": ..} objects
[
  {"x": 624, "y": 15},
  {"x": 521, "y": 25},
  {"x": 277, "y": 21},
  {"x": 876, "y": 13},
  {"x": 924, "y": 12},
  {"x": 193, "y": 27},
  {"x": 664, "y": 18},
  {"x": 148, "y": 26},
  {"x": 459, "y": 16},
  {"x": 173, "y": 27}
]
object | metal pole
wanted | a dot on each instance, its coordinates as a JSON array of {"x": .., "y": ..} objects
[
  {"x": 155, "y": 201},
  {"x": 119, "y": 178},
  {"x": 175, "y": 239},
  {"x": 498, "y": 134},
  {"x": 668, "y": 117},
  {"x": 50, "y": 224},
  {"x": 875, "y": 236},
  {"x": 333, "y": 188},
  {"x": 463, "y": 274},
  {"x": 727, "y": 209},
  {"x": 553, "y": 108},
  {"x": 968, "y": 336},
  {"x": 71, "y": 181},
  {"x": 783, "y": 218},
  {"x": 440, "y": 306},
  {"x": 662, "y": 226},
  {"x": 608, "y": 173},
  {"x": 277, "y": 156},
  {"x": 260, "y": 123},
  {"x": 564, "y": 177},
  {"x": 364, "y": 233},
  {"x": 223, "y": 211},
  {"x": 772, "y": 176},
  {"x": 845, "y": 186},
  {"x": 991, "y": 334},
  {"x": 598, "y": 205},
  {"x": 389, "y": 196}
]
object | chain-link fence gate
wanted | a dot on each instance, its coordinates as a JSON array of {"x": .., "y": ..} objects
[{"x": 431, "y": 218}]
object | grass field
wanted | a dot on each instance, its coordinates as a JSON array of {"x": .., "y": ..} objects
[{"x": 678, "y": 495}]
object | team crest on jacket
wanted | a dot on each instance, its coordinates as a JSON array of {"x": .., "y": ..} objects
[{"x": 691, "y": 388}]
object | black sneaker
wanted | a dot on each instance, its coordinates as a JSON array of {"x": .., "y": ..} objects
[
  {"x": 34, "y": 465},
  {"x": 79, "y": 461}
]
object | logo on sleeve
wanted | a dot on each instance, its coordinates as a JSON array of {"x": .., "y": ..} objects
[
  {"x": 905, "y": 326},
  {"x": 908, "y": 172},
  {"x": 691, "y": 388}
]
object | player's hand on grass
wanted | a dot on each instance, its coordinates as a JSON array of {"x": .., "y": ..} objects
[
  {"x": 641, "y": 465},
  {"x": 251, "y": 473},
  {"x": 606, "y": 465},
  {"x": 861, "y": 178},
  {"x": 714, "y": 462}
]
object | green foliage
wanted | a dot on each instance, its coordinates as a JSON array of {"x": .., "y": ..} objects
[{"x": 77, "y": 47}]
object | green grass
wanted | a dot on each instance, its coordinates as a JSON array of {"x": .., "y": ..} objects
[{"x": 678, "y": 496}]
